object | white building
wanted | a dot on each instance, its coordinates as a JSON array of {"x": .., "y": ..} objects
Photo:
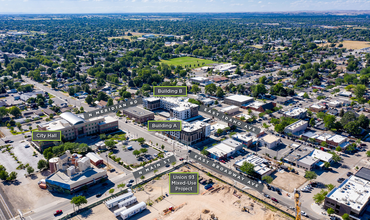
[
  {"x": 224, "y": 67},
  {"x": 260, "y": 165},
  {"x": 230, "y": 110},
  {"x": 298, "y": 113},
  {"x": 321, "y": 155},
  {"x": 225, "y": 149},
  {"x": 270, "y": 141},
  {"x": 297, "y": 128},
  {"x": 191, "y": 133},
  {"x": 133, "y": 210},
  {"x": 199, "y": 80},
  {"x": 345, "y": 93},
  {"x": 238, "y": 100},
  {"x": 335, "y": 103}
]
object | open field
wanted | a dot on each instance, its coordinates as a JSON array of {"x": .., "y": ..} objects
[
  {"x": 288, "y": 181},
  {"x": 221, "y": 203},
  {"x": 134, "y": 34},
  {"x": 354, "y": 45},
  {"x": 182, "y": 61}
]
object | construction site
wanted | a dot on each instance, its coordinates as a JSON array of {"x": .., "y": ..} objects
[{"x": 220, "y": 201}]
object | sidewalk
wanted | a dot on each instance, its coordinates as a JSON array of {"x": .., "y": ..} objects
[{"x": 318, "y": 209}]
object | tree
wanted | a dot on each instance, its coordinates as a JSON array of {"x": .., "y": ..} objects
[
  {"x": 319, "y": 197},
  {"x": 352, "y": 127},
  {"x": 173, "y": 164},
  {"x": 30, "y": 170},
  {"x": 330, "y": 187},
  {"x": 41, "y": 164},
  {"x": 89, "y": 99},
  {"x": 368, "y": 153},
  {"x": 345, "y": 216},
  {"x": 363, "y": 121},
  {"x": 326, "y": 165},
  {"x": 19, "y": 126},
  {"x": 330, "y": 211},
  {"x": 310, "y": 175},
  {"x": 339, "y": 149},
  {"x": 336, "y": 158},
  {"x": 247, "y": 168},
  {"x": 3, "y": 175},
  {"x": 136, "y": 152},
  {"x": 110, "y": 102},
  {"x": 210, "y": 88},
  {"x": 359, "y": 90},
  {"x": 195, "y": 89},
  {"x": 12, "y": 176},
  {"x": 204, "y": 151},
  {"x": 143, "y": 150},
  {"x": 122, "y": 185},
  {"x": 348, "y": 117},
  {"x": 258, "y": 89},
  {"x": 3, "y": 112},
  {"x": 267, "y": 179},
  {"x": 220, "y": 93},
  {"x": 350, "y": 147},
  {"x": 312, "y": 122},
  {"x": 305, "y": 95},
  {"x": 110, "y": 143},
  {"x": 15, "y": 111},
  {"x": 54, "y": 84},
  {"x": 78, "y": 201},
  {"x": 141, "y": 140}
]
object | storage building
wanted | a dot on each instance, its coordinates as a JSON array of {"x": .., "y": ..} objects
[
  {"x": 238, "y": 100},
  {"x": 133, "y": 210},
  {"x": 114, "y": 202},
  {"x": 127, "y": 202},
  {"x": 94, "y": 158}
]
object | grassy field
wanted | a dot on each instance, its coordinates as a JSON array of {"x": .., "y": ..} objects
[
  {"x": 134, "y": 34},
  {"x": 355, "y": 45},
  {"x": 182, "y": 61}
]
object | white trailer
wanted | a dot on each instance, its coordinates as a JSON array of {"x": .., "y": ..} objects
[
  {"x": 118, "y": 211},
  {"x": 133, "y": 210},
  {"x": 113, "y": 202},
  {"x": 127, "y": 202}
]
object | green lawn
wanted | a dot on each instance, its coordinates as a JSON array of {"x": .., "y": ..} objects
[{"x": 188, "y": 61}]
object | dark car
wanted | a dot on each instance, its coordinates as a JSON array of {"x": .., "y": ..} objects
[
  {"x": 105, "y": 184},
  {"x": 129, "y": 184},
  {"x": 112, "y": 170},
  {"x": 7, "y": 141},
  {"x": 273, "y": 199},
  {"x": 57, "y": 212},
  {"x": 98, "y": 195},
  {"x": 349, "y": 174},
  {"x": 340, "y": 180},
  {"x": 131, "y": 181},
  {"x": 189, "y": 151},
  {"x": 181, "y": 159},
  {"x": 167, "y": 165}
]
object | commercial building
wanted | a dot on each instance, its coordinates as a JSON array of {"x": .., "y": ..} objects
[
  {"x": 138, "y": 114},
  {"x": 270, "y": 141},
  {"x": 335, "y": 104},
  {"x": 115, "y": 201},
  {"x": 259, "y": 106},
  {"x": 178, "y": 107},
  {"x": 297, "y": 113},
  {"x": 297, "y": 128},
  {"x": 307, "y": 162},
  {"x": 72, "y": 173},
  {"x": 230, "y": 110},
  {"x": 244, "y": 139},
  {"x": 352, "y": 196},
  {"x": 95, "y": 159},
  {"x": 190, "y": 133},
  {"x": 238, "y": 100},
  {"x": 25, "y": 96},
  {"x": 73, "y": 127},
  {"x": 261, "y": 167},
  {"x": 225, "y": 149},
  {"x": 321, "y": 155},
  {"x": 317, "y": 108},
  {"x": 199, "y": 80},
  {"x": 345, "y": 94},
  {"x": 284, "y": 100},
  {"x": 224, "y": 67},
  {"x": 337, "y": 140}
]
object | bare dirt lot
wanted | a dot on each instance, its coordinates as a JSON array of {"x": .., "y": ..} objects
[
  {"x": 288, "y": 181},
  {"x": 354, "y": 45},
  {"x": 222, "y": 203},
  {"x": 26, "y": 194}
]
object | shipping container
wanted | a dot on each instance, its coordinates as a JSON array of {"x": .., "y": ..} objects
[
  {"x": 133, "y": 210},
  {"x": 114, "y": 202},
  {"x": 119, "y": 211},
  {"x": 127, "y": 202}
]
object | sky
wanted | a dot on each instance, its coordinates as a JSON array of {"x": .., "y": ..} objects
[{"x": 147, "y": 6}]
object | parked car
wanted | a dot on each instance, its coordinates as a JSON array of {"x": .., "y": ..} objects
[
  {"x": 112, "y": 170},
  {"x": 349, "y": 174},
  {"x": 181, "y": 159},
  {"x": 7, "y": 141},
  {"x": 266, "y": 195},
  {"x": 129, "y": 184},
  {"x": 340, "y": 180},
  {"x": 131, "y": 181},
  {"x": 105, "y": 184},
  {"x": 98, "y": 195},
  {"x": 275, "y": 200},
  {"x": 58, "y": 212},
  {"x": 304, "y": 214}
]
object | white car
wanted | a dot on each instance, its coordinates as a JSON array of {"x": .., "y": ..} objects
[{"x": 304, "y": 214}]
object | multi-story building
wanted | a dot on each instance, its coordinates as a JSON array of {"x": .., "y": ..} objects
[
  {"x": 352, "y": 196},
  {"x": 238, "y": 100},
  {"x": 297, "y": 128},
  {"x": 261, "y": 167},
  {"x": 178, "y": 107},
  {"x": 73, "y": 127},
  {"x": 138, "y": 114},
  {"x": 191, "y": 133},
  {"x": 298, "y": 113}
]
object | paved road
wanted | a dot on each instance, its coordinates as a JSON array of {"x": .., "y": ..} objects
[{"x": 59, "y": 95}]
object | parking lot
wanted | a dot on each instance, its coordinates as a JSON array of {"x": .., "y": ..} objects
[
  {"x": 127, "y": 155},
  {"x": 23, "y": 154}
]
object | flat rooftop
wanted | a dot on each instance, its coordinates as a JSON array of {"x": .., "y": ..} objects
[
  {"x": 270, "y": 138},
  {"x": 296, "y": 124},
  {"x": 337, "y": 138},
  {"x": 321, "y": 155},
  {"x": 240, "y": 98},
  {"x": 259, "y": 163},
  {"x": 308, "y": 160},
  {"x": 137, "y": 111},
  {"x": 62, "y": 178},
  {"x": 231, "y": 107},
  {"x": 354, "y": 192},
  {"x": 220, "y": 149},
  {"x": 295, "y": 111}
]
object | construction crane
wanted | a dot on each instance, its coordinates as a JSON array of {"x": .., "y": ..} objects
[{"x": 297, "y": 195}]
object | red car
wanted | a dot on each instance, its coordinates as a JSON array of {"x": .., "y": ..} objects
[
  {"x": 57, "y": 212},
  {"x": 231, "y": 157},
  {"x": 181, "y": 159},
  {"x": 222, "y": 161},
  {"x": 273, "y": 199}
]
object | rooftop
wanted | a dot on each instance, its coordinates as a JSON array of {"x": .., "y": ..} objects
[
  {"x": 240, "y": 98},
  {"x": 63, "y": 179},
  {"x": 295, "y": 111},
  {"x": 72, "y": 118},
  {"x": 231, "y": 107},
  {"x": 296, "y": 124},
  {"x": 321, "y": 155},
  {"x": 259, "y": 163},
  {"x": 308, "y": 160},
  {"x": 138, "y": 111},
  {"x": 256, "y": 104},
  {"x": 270, "y": 138},
  {"x": 354, "y": 192},
  {"x": 363, "y": 173},
  {"x": 337, "y": 138},
  {"x": 324, "y": 137},
  {"x": 220, "y": 149}
]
